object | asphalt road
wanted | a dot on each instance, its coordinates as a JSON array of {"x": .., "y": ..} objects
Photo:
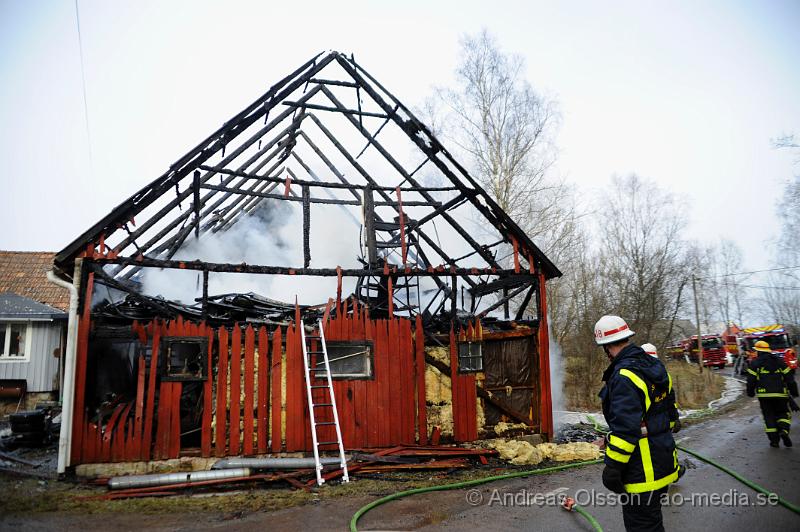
[{"x": 704, "y": 499}]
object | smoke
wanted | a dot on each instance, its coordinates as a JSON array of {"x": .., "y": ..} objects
[
  {"x": 557, "y": 372},
  {"x": 271, "y": 235}
]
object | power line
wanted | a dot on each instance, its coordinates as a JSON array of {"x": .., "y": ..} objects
[
  {"x": 770, "y": 287},
  {"x": 83, "y": 85},
  {"x": 748, "y": 273}
]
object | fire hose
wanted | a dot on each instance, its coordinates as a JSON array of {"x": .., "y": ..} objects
[{"x": 569, "y": 504}]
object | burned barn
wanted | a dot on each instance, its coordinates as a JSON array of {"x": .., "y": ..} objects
[{"x": 325, "y": 204}]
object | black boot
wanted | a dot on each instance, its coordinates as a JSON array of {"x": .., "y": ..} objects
[
  {"x": 773, "y": 439},
  {"x": 787, "y": 441}
]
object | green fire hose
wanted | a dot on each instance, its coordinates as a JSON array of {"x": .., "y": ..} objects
[
  {"x": 477, "y": 482},
  {"x": 592, "y": 521}
]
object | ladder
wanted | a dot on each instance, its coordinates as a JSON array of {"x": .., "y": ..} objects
[{"x": 327, "y": 404}]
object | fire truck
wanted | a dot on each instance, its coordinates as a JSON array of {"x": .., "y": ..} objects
[
  {"x": 778, "y": 339},
  {"x": 713, "y": 350}
]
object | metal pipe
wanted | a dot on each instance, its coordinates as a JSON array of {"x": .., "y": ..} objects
[
  {"x": 68, "y": 384},
  {"x": 145, "y": 481},
  {"x": 273, "y": 463}
]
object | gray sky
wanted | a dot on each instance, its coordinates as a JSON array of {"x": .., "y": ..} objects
[{"x": 688, "y": 94}]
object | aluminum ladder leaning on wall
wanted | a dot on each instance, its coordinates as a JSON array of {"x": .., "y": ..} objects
[{"x": 314, "y": 409}]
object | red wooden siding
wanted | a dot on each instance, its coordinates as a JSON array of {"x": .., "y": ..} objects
[{"x": 242, "y": 405}]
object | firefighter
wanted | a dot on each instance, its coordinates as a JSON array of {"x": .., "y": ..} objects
[
  {"x": 638, "y": 404},
  {"x": 650, "y": 349},
  {"x": 771, "y": 380}
]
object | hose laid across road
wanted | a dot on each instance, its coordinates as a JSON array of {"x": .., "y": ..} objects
[
  {"x": 747, "y": 482},
  {"x": 477, "y": 482}
]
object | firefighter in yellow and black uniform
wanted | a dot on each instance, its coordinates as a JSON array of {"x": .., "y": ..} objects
[
  {"x": 771, "y": 380},
  {"x": 639, "y": 407}
]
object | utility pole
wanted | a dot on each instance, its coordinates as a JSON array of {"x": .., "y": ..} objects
[{"x": 697, "y": 317}]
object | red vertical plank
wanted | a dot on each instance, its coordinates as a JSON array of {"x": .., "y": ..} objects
[
  {"x": 79, "y": 415},
  {"x": 422, "y": 410},
  {"x": 382, "y": 366},
  {"x": 249, "y": 390},
  {"x": 149, "y": 413},
  {"x": 163, "y": 421},
  {"x": 263, "y": 397},
  {"x": 472, "y": 408},
  {"x": 275, "y": 389},
  {"x": 545, "y": 401},
  {"x": 236, "y": 389},
  {"x": 394, "y": 405},
  {"x": 295, "y": 437},
  {"x": 136, "y": 445},
  {"x": 174, "y": 449},
  {"x": 409, "y": 396},
  {"x": 369, "y": 416},
  {"x": 118, "y": 435},
  {"x": 220, "y": 437},
  {"x": 208, "y": 392}
]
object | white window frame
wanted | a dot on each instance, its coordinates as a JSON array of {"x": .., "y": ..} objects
[{"x": 6, "y": 347}]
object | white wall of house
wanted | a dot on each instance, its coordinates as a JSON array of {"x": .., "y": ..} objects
[{"x": 40, "y": 365}]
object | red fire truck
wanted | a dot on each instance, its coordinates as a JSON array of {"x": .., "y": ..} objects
[
  {"x": 713, "y": 350},
  {"x": 778, "y": 339}
]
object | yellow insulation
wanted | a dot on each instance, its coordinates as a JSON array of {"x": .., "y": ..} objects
[{"x": 523, "y": 453}]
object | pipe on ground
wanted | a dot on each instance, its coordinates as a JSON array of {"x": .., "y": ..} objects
[{"x": 146, "y": 481}]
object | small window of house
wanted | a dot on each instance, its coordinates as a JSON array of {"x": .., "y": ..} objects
[
  {"x": 15, "y": 341},
  {"x": 348, "y": 360},
  {"x": 184, "y": 358},
  {"x": 470, "y": 357}
]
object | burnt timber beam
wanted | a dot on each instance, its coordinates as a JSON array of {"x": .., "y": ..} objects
[
  {"x": 369, "y": 226},
  {"x": 306, "y": 227},
  {"x": 328, "y": 201},
  {"x": 506, "y": 282},
  {"x": 521, "y": 309},
  {"x": 320, "y": 183},
  {"x": 334, "y": 82},
  {"x": 503, "y": 300},
  {"x": 444, "y": 369},
  {"x": 375, "y": 135},
  {"x": 216, "y": 267},
  {"x": 199, "y": 154},
  {"x": 315, "y": 107}
]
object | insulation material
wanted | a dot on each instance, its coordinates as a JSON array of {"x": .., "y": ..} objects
[
  {"x": 439, "y": 393},
  {"x": 523, "y": 453},
  {"x": 502, "y": 427}
]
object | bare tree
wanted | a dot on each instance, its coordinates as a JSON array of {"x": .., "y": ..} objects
[{"x": 505, "y": 129}]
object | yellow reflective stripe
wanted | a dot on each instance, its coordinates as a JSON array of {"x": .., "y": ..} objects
[
  {"x": 772, "y": 395},
  {"x": 770, "y": 430},
  {"x": 619, "y": 457},
  {"x": 636, "y": 380},
  {"x": 752, "y": 372},
  {"x": 647, "y": 462},
  {"x": 787, "y": 369},
  {"x": 785, "y": 421},
  {"x": 639, "y": 487},
  {"x": 616, "y": 441},
  {"x": 670, "y": 381},
  {"x": 671, "y": 424}
]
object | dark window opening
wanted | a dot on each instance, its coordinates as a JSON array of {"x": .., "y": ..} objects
[
  {"x": 470, "y": 357},
  {"x": 184, "y": 358},
  {"x": 348, "y": 360}
]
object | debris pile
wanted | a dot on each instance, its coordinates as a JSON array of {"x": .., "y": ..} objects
[{"x": 229, "y": 473}]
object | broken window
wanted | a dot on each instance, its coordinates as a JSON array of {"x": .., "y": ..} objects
[
  {"x": 184, "y": 358},
  {"x": 14, "y": 340},
  {"x": 470, "y": 357},
  {"x": 348, "y": 360}
]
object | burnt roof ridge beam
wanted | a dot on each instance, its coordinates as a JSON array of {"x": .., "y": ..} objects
[
  {"x": 151, "y": 192},
  {"x": 385, "y": 153},
  {"x": 370, "y": 180},
  {"x": 506, "y": 220}
]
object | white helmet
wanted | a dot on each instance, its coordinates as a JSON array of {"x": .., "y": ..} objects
[
  {"x": 650, "y": 349},
  {"x": 610, "y": 329}
]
